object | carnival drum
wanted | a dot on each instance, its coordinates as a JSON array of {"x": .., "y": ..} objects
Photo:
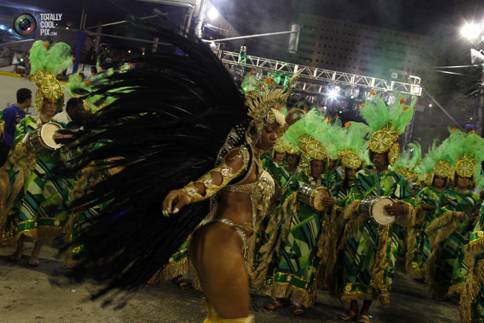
[
  {"x": 313, "y": 196},
  {"x": 375, "y": 208},
  {"x": 43, "y": 137}
]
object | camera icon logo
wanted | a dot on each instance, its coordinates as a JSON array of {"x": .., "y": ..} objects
[{"x": 25, "y": 24}]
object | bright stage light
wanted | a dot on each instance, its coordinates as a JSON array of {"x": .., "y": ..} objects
[
  {"x": 333, "y": 93},
  {"x": 212, "y": 13},
  {"x": 471, "y": 30}
]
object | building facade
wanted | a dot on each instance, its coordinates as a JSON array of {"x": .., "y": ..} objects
[{"x": 350, "y": 47}]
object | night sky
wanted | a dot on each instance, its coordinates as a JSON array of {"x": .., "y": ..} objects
[
  {"x": 418, "y": 16},
  {"x": 439, "y": 18}
]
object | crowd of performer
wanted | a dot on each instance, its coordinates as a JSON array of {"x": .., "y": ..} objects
[{"x": 254, "y": 197}]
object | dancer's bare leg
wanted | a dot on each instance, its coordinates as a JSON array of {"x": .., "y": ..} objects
[
  {"x": 352, "y": 313},
  {"x": 216, "y": 253},
  {"x": 34, "y": 258},
  {"x": 365, "y": 312},
  {"x": 19, "y": 250},
  {"x": 297, "y": 309},
  {"x": 181, "y": 282},
  {"x": 275, "y": 304}
]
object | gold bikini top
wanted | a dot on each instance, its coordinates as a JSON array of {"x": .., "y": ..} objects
[{"x": 260, "y": 191}]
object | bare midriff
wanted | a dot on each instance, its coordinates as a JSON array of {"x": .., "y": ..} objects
[{"x": 234, "y": 206}]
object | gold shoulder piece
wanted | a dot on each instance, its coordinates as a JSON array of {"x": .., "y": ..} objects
[{"x": 211, "y": 182}]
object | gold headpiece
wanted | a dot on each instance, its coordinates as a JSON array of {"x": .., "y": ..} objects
[
  {"x": 444, "y": 169},
  {"x": 350, "y": 159},
  {"x": 312, "y": 148},
  {"x": 468, "y": 151},
  {"x": 292, "y": 149},
  {"x": 46, "y": 62},
  {"x": 47, "y": 87},
  {"x": 409, "y": 174},
  {"x": 264, "y": 101},
  {"x": 438, "y": 161},
  {"x": 266, "y": 107},
  {"x": 285, "y": 147},
  {"x": 393, "y": 153},
  {"x": 386, "y": 123},
  {"x": 280, "y": 146},
  {"x": 381, "y": 141},
  {"x": 465, "y": 167},
  {"x": 408, "y": 162}
]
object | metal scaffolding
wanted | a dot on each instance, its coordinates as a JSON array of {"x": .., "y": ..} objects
[{"x": 313, "y": 80}]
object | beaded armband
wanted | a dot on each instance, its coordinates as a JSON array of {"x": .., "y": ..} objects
[
  {"x": 227, "y": 173},
  {"x": 306, "y": 194}
]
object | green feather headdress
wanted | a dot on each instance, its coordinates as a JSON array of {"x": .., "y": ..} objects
[
  {"x": 395, "y": 117},
  {"x": 46, "y": 63},
  {"x": 386, "y": 122},
  {"x": 468, "y": 153},
  {"x": 406, "y": 165},
  {"x": 305, "y": 134},
  {"x": 330, "y": 135},
  {"x": 439, "y": 160},
  {"x": 353, "y": 146}
]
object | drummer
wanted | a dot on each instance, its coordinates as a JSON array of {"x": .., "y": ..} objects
[
  {"x": 36, "y": 215},
  {"x": 372, "y": 246},
  {"x": 307, "y": 203},
  {"x": 74, "y": 114}
]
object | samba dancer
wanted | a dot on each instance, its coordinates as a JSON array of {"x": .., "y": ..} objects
[
  {"x": 202, "y": 116},
  {"x": 179, "y": 269}
]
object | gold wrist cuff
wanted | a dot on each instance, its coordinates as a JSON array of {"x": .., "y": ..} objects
[{"x": 191, "y": 191}]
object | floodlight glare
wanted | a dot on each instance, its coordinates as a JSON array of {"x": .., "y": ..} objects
[
  {"x": 212, "y": 13},
  {"x": 471, "y": 30},
  {"x": 333, "y": 93}
]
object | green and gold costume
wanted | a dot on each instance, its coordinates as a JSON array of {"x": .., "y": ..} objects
[
  {"x": 369, "y": 250},
  {"x": 451, "y": 231},
  {"x": 294, "y": 273},
  {"x": 430, "y": 204},
  {"x": 40, "y": 213},
  {"x": 471, "y": 305}
]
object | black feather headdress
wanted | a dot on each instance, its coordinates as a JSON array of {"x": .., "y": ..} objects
[{"x": 168, "y": 119}]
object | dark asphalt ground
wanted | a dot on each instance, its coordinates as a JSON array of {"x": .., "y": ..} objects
[{"x": 28, "y": 295}]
